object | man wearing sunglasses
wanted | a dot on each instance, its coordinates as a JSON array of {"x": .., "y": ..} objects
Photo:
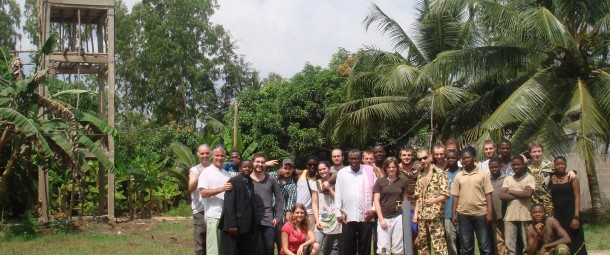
[{"x": 431, "y": 192}]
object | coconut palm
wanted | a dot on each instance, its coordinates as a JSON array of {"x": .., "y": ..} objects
[
  {"x": 564, "y": 90},
  {"x": 386, "y": 88}
]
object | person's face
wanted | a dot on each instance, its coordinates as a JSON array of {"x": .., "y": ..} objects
[
  {"x": 323, "y": 170},
  {"x": 298, "y": 214},
  {"x": 235, "y": 158},
  {"x": 354, "y": 160},
  {"x": 538, "y": 214},
  {"x": 424, "y": 159},
  {"x": 218, "y": 157},
  {"x": 536, "y": 154},
  {"x": 203, "y": 153},
  {"x": 379, "y": 153},
  {"x": 560, "y": 165},
  {"x": 489, "y": 150},
  {"x": 368, "y": 159},
  {"x": 518, "y": 166},
  {"x": 505, "y": 150},
  {"x": 392, "y": 169},
  {"x": 439, "y": 155},
  {"x": 247, "y": 168},
  {"x": 337, "y": 157},
  {"x": 468, "y": 159},
  {"x": 452, "y": 147},
  {"x": 494, "y": 168},
  {"x": 452, "y": 159},
  {"x": 259, "y": 165},
  {"x": 312, "y": 165},
  {"x": 286, "y": 170},
  {"x": 406, "y": 157}
]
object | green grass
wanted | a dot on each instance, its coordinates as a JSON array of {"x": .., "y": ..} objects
[
  {"x": 597, "y": 237},
  {"x": 169, "y": 237},
  {"x": 173, "y": 237}
]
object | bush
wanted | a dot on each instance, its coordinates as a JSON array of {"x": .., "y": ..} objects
[
  {"x": 26, "y": 228},
  {"x": 183, "y": 210}
]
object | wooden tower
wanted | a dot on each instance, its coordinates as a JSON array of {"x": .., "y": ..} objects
[{"x": 85, "y": 47}]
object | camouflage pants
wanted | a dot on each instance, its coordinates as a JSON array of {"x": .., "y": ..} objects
[{"x": 431, "y": 237}]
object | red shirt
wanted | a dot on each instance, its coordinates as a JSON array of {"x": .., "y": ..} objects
[{"x": 294, "y": 240}]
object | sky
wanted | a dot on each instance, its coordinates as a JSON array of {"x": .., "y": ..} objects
[{"x": 282, "y": 35}]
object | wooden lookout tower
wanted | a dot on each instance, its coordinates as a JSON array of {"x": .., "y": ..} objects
[{"x": 85, "y": 47}]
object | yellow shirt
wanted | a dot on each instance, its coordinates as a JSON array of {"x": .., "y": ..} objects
[{"x": 471, "y": 188}]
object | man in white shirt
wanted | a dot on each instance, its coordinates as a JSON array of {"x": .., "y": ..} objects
[
  {"x": 203, "y": 154},
  {"x": 354, "y": 204},
  {"x": 489, "y": 149},
  {"x": 213, "y": 182}
]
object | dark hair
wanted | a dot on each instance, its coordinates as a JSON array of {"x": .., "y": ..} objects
[
  {"x": 406, "y": 149},
  {"x": 560, "y": 157},
  {"x": 258, "y": 155},
  {"x": 537, "y": 205},
  {"x": 354, "y": 151},
  {"x": 495, "y": 159},
  {"x": 244, "y": 161},
  {"x": 312, "y": 157},
  {"x": 325, "y": 162},
  {"x": 505, "y": 141},
  {"x": 470, "y": 150},
  {"x": 519, "y": 157},
  {"x": 236, "y": 151}
]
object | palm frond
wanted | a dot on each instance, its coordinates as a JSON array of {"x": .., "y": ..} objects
[
  {"x": 446, "y": 99},
  {"x": 399, "y": 38},
  {"x": 583, "y": 115},
  {"x": 25, "y": 126},
  {"x": 522, "y": 104},
  {"x": 184, "y": 155},
  {"x": 95, "y": 150}
]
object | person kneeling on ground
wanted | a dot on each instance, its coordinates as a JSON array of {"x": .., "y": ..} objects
[
  {"x": 545, "y": 236},
  {"x": 297, "y": 238}
]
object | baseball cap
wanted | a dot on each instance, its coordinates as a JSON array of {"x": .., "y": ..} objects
[{"x": 287, "y": 161}]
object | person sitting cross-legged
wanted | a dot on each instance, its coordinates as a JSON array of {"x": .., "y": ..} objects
[{"x": 545, "y": 236}]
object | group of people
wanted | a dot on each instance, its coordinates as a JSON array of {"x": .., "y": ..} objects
[{"x": 432, "y": 202}]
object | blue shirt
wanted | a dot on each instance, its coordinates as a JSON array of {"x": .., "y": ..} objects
[
  {"x": 449, "y": 202},
  {"x": 229, "y": 168}
]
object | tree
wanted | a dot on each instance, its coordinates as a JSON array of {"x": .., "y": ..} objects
[
  {"x": 565, "y": 87},
  {"x": 170, "y": 57},
  {"x": 386, "y": 88},
  {"x": 283, "y": 117},
  {"x": 10, "y": 22},
  {"x": 29, "y": 139}
]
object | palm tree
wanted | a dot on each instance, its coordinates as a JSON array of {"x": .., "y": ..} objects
[
  {"x": 387, "y": 88},
  {"x": 564, "y": 87}
]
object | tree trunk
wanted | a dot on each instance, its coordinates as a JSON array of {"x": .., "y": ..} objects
[
  {"x": 8, "y": 171},
  {"x": 599, "y": 212}
]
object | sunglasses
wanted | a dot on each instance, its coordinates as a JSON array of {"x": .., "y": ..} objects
[{"x": 423, "y": 158}]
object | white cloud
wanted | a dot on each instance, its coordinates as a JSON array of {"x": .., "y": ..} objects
[{"x": 282, "y": 35}]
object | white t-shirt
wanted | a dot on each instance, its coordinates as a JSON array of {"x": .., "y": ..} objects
[
  {"x": 484, "y": 167},
  {"x": 196, "y": 202},
  {"x": 212, "y": 178},
  {"x": 303, "y": 195}
]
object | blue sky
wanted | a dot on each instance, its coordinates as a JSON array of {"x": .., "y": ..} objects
[{"x": 282, "y": 35}]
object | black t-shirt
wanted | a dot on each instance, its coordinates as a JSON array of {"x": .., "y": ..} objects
[{"x": 390, "y": 193}]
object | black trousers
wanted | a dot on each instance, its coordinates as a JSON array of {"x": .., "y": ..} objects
[
  {"x": 357, "y": 237},
  {"x": 242, "y": 244}
]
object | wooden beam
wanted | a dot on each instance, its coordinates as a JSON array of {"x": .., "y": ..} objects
[
  {"x": 109, "y": 3},
  {"x": 94, "y": 59},
  {"x": 110, "y": 111},
  {"x": 83, "y": 70}
]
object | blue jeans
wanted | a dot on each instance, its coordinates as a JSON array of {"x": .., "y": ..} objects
[
  {"x": 266, "y": 236},
  {"x": 468, "y": 225}
]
